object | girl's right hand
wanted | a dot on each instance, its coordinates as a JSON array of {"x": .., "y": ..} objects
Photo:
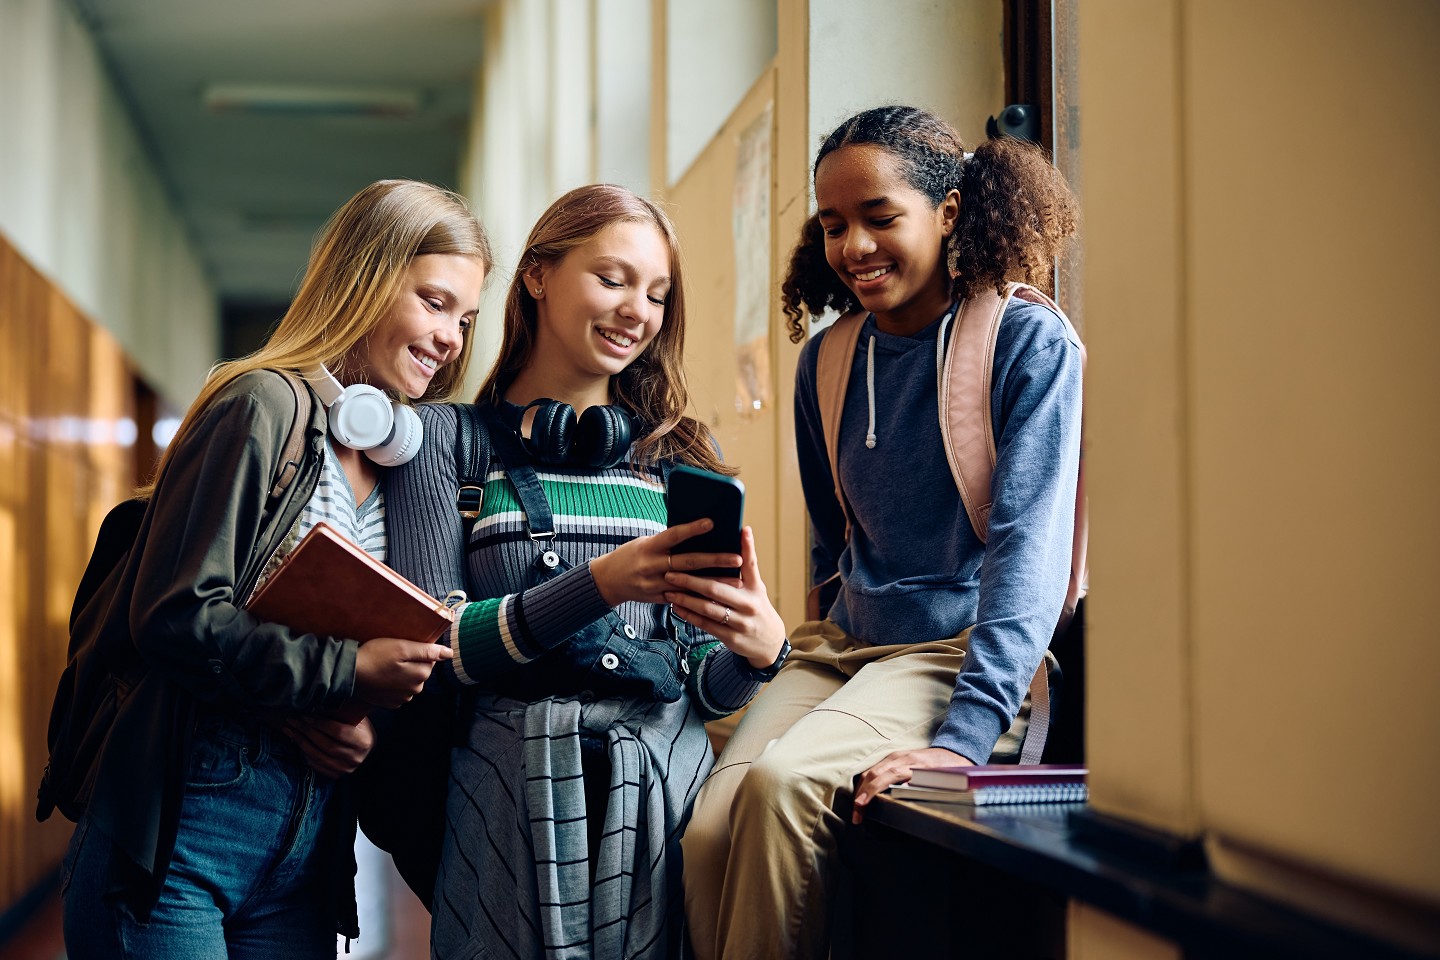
[
  {"x": 333, "y": 748},
  {"x": 737, "y": 612},
  {"x": 389, "y": 671},
  {"x": 636, "y": 570}
]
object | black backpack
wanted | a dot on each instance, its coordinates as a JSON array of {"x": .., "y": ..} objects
[
  {"x": 400, "y": 788},
  {"x": 103, "y": 664}
]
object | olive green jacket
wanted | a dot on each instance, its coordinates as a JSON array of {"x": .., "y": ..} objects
[{"x": 204, "y": 539}]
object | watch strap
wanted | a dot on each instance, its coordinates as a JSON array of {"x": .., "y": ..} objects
[{"x": 767, "y": 674}]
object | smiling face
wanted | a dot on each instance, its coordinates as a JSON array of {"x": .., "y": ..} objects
[
  {"x": 599, "y": 307},
  {"x": 425, "y": 326},
  {"x": 884, "y": 238}
]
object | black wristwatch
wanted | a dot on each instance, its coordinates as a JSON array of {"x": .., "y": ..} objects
[{"x": 766, "y": 674}]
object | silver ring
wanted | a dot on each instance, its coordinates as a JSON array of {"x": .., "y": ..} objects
[{"x": 726, "y": 621}]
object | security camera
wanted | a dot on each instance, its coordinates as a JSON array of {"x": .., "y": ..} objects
[{"x": 1018, "y": 120}]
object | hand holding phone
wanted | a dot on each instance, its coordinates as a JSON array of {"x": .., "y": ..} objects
[{"x": 694, "y": 494}]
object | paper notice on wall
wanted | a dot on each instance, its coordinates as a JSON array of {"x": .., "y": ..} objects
[{"x": 751, "y": 226}]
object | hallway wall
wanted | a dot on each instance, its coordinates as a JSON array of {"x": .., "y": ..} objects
[
  {"x": 1260, "y": 198},
  {"x": 102, "y": 306},
  {"x": 70, "y": 432},
  {"x": 80, "y": 198}
]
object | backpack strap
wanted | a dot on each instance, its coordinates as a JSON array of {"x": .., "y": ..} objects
[
  {"x": 832, "y": 377},
  {"x": 965, "y": 424},
  {"x": 1032, "y": 748},
  {"x": 289, "y": 467},
  {"x": 520, "y": 469},
  {"x": 472, "y": 462},
  {"x": 965, "y": 411}
]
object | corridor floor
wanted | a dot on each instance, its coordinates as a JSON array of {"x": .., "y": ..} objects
[{"x": 403, "y": 932}]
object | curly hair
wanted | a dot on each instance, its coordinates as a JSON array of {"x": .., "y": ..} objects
[
  {"x": 810, "y": 283},
  {"x": 1016, "y": 211}
]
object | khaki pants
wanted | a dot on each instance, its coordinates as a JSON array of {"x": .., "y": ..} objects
[{"x": 760, "y": 848}]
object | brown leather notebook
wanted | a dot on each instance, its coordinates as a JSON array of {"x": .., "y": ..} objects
[{"x": 329, "y": 586}]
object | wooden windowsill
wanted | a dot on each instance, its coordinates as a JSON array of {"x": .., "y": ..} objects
[{"x": 1161, "y": 886}]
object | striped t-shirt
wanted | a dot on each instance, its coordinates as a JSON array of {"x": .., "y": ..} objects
[{"x": 334, "y": 503}]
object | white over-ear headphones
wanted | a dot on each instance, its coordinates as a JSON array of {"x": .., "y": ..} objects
[{"x": 363, "y": 418}]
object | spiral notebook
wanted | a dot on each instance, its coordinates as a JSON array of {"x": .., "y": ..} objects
[
  {"x": 996, "y": 783},
  {"x": 995, "y": 794}
]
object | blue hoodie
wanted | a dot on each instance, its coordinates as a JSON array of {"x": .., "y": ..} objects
[{"x": 913, "y": 569}]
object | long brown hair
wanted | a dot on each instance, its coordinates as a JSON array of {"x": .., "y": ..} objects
[
  {"x": 1016, "y": 211},
  {"x": 653, "y": 386},
  {"x": 356, "y": 270}
]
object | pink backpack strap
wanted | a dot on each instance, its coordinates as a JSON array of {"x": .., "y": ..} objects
[
  {"x": 832, "y": 377},
  {"x": 965, "y": 425}
]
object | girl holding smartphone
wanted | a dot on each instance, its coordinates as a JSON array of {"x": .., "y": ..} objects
[{"x": 580, "y": 740}]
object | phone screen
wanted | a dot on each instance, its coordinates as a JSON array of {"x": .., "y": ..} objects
[{"x": 693, "y": 493}]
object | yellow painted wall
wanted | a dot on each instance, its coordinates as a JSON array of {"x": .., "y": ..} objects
[
  {"x": 1138, "y": 721},
  {"x": 1260, "y": 201},
  {"x": 702, "y": 204},
  {"x": 761, "y": 443}
]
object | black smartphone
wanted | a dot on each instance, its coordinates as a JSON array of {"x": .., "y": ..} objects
[{"x": 693, "y": 493}]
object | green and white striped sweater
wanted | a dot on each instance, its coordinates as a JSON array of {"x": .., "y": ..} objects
[{"x": 516, "y": 624}]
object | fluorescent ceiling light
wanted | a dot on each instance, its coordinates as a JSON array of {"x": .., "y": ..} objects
[{"x": 311, "y": 100}]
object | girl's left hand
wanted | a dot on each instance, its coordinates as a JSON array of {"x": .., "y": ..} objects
[
  {"x": 738, "y": 613},
  {"x": 332, "y": 747},
  {"x": 896, "y": 769}
]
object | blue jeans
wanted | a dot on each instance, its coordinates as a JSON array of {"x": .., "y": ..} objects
[{"x": 247, "y": 876}]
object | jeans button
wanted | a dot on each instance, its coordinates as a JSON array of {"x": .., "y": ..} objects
[
  {"x": 609, "y": 661},
  {"x": 629, "y": 632}
]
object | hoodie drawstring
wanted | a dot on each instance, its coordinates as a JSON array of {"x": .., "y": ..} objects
[
  {"x": 870, "y": 390},
  {"x": 940, "y": 370},
  {"x": 939, "y": 377}
]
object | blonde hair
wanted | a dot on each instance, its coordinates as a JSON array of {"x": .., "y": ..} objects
[
  {"x": 356, "y": 270},
  {"x": 653, "y": 386}
]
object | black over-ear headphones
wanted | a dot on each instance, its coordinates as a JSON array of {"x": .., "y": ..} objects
[
  {"x": 599, "y": 438},
  {"x": 364, "y": 418}
]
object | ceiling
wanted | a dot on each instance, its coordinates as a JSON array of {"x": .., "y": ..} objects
[{"x": 253, "y": 185}]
